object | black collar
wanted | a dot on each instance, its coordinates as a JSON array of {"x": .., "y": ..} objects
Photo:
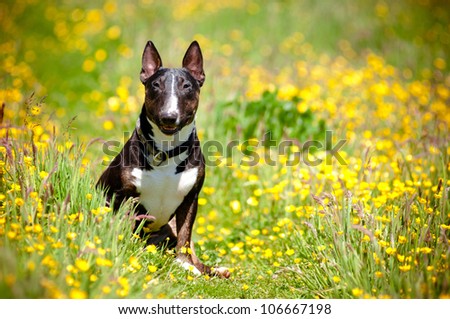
[{"x": 152, "y": 154}]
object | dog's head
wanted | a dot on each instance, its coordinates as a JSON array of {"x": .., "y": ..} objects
[{"x": 172, "y": 95}]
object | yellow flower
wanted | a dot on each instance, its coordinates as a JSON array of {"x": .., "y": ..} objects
[
  {"x": 152, "y": 268},
  {"x": 209, "y": 190},
  {"x": 202, "y": 201},
  {"x": 43, "y": 174},
  {"x": 405, "y": 268},
  {"x": 151, "y": 249},
  {"x": 235, "y": 206},
  {"x": 290, "y": 252},
  {"x": 134, "y": 263},
  {"x": 425, "y": 250},
  {"x": 103, "y": 262},
  {"x": 357, "y": 292},
  {"x": 108, "y": 125},
  {"x": 77, "y": 294},
  {"x": 106, "y": 289},
  {"x": 82, "y": 264},
  {"x": 88, "y": 65},
  {"x": 401, "y": 239},
  {"x": 19, "y": 201},
  {"x": 14, "y": 188},
  {"x": 71, "y": 235},
  {"x": 268, "y": 253},
  {"x": 28, "y": 160},
  {"x": 336, "y": 279},
  {"x": 252, "y": 201},
  {"x": 11, "y": 235},
  {"x": 391, "y": 251}
]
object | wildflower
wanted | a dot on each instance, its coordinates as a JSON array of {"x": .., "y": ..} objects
[
  {"x": 152, "y": 268},
  {"x": 391, "y": 251},
  {"x": 134, "y": 263},
  {"x": 401, "y": 239},
  {"x": 357, "y": 292},
  {"x": 336, "y": 279},
  {"x": 252, "y": 201},
  {"x": 77, "y": 294},
  {"x": 108, "y": 125},
  {"x": 82, "y": 264},
  {"x": 19, "y": 201},
  {"x": 106, "y": 289},
  {"x": 43, "y": 174},
  {"x": 185, "y": 250},
  {"x": 11, "y": 234},
  {"x": 235, "y": 206},
  {"x": 425, "y": 250},
  {"x": 71, "y": 235},
  {"x": 290, "y": 252},
  {"x": 405, "y": 268},
  {"x": 151, "y": 249},
  {"x": 103, "y": 262},
  {"x": 14, "y": 188},
  {"x": 88, "y": 65},
  {"x": 202, "y": 201},
  {"x": 268, "y": 253},
  {"x": 28, "y": 160}
]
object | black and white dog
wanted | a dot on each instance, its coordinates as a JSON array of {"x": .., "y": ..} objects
[{"x": 161, "y": 165}]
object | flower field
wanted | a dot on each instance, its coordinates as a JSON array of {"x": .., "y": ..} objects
[{"x": 325, "y": 130}]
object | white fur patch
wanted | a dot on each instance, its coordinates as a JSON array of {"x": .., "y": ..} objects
[
  {"x": 162, "y": 191},
  {"x": 189, "y": 267},
  {"x": 173, "y": 101}
]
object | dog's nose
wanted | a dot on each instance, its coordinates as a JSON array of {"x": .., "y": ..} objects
[{"x": 169, "y": 119}]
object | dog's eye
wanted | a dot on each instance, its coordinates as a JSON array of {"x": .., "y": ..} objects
[
  {"x": 187, "y": 86},
  {"x": 156, "y": 85}
]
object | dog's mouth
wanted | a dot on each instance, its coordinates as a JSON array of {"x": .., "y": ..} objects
[{"x": 168, "y": 129}]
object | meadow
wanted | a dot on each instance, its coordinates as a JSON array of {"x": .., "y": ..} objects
[{"x": 326, "y": 130}]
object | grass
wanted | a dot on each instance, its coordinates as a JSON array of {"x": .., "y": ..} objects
[{"x": 372, "y": 223}]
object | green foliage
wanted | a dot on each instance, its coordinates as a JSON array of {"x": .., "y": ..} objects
[{"x": 268, "y": 117}]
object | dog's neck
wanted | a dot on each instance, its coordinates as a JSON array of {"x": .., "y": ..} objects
[
  {"x": 159, "y": 147},
  {"x": 167, "y": 142}
]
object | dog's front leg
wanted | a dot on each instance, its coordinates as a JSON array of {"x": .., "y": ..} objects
[
  {"x": 185, "y": 218},
  {"x": 185, "y": 246}
]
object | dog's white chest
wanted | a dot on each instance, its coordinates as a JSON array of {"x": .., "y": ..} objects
[{"x": 162, "y": 191}]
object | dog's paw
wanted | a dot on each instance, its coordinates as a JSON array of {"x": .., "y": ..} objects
[
  {"x": 221, "y": 272},
  {"x": 189, "y": 267}
]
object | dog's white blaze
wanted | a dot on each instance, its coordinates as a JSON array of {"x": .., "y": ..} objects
[
  {"x": 189, "y": 267},
  {"x": 162, "y": 191},
  {"x": 166, "y": 142},
  {"x": 173, "y": 100}
]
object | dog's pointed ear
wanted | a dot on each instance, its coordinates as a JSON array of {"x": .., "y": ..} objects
[
  {"x": 151, "y": 61},
  {"x": 193, "y": 62}
]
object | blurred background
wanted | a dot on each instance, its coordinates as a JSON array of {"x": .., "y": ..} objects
[
  {"x": 83, "y": 57},
  {"x": 374, "y": 73}
]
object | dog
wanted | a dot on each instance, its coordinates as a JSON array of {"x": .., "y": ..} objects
[{"x": 161, "y": 166}]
